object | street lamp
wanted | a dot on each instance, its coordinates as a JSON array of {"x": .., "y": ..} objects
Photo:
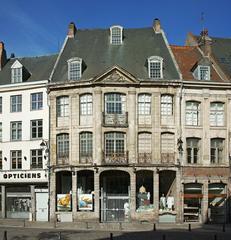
[{"x": 44, "y": 145}]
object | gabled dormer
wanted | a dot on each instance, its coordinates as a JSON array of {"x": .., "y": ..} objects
[
  {"x": 201, "y": 70},
  {"x": 74, "y": 68},
  {"x": 16, "y": 72},
  {"x": 155, "y": 67},
  {"x": 116, "y": 35}
]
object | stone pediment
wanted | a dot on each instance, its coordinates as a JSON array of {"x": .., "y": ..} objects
[{"x": 116, "y": 75}]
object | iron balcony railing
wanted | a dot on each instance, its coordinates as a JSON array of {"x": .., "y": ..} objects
[
  {"x": 115, "y": 119},
  {"x": 85, "y": 158},
  {"x": 62, "y": 158},
  {"x": 145, "y": 158},
  {"x": 168, "y": 158},
  {"x": 115, "y": 158}
]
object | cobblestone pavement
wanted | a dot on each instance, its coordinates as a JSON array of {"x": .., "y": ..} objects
[{"x": 167, "y": 234}]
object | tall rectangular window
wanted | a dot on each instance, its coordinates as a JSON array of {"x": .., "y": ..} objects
[
  {"x": 37, "y": 101},
  {"x": 167, "y": 143},
  {"x": 16, "y": 103},
  {"x": 0, "y": 131},
  {"x": 16, "y": 75},
  {"x": 116, "y": 35},
  {"x": 114, "y": 103},
  {"x": 36, "y": 129},
  {"x": 192, "y": 150},
  {"x": 114, "y": 143},
  {"x": 0, "y": 104},
  {"x": 63, "y": 106},
  {"x": 16, "y": 131},
  {"x": 216, "y": 114},
  {"x": 86, "y": 104},
  {"x": 74, "y": 68},
  {"x": 0, "y": 159},
  {"x": 36, "y": 158},
  {"x": 86, "y": 144},
  {"x": 192, "y": 113},
  {"x": 144, "y": 104},
  {"x": 216, "y": 150},
  {"x": 204, "y": 73},
  {"x": 63, "y": 145},
  {"x": 166, "y": 105},
  {"x": 155, "y": 67},
  {"x": 16, "y": 159}
]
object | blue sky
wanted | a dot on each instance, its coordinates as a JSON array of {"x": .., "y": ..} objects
[{"x": 38, "y": 27}]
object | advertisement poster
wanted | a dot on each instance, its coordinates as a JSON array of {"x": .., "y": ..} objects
[
  {"x": 64, "y": 202},
  {"x": 85, "y": 202}
]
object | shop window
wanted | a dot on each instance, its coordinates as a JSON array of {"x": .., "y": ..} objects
[
  {"x": 192, "y": 113},
  {"x": 144, "y": 191},
  {"x": 63, "y": 106},
  {"x": 192, "y": 150},
  {"x": 216, "y": 114},
  {"x": 85, "y": 190},
  {"x": 216, "y": 150},
  {"x": 166, "y": 105}
]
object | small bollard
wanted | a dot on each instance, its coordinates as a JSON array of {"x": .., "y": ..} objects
[
  {"x": 215, "y": 237},
  {"x": 164, "y": 237},
  {"x": 111, "y": 236},
  {"x": 154, "y": 227},
  {"x": 223, "y": 227},
  {"x": 5, "y": 235},
  {"x": 189, "y": 227},
  {"x": 60, "y": 237}
]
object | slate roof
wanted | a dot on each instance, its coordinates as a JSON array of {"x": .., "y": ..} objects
[
  {"x": 39, "y": 68},
  {"x": 94, "y": 47},
  {"x": 187, "y": 57}
]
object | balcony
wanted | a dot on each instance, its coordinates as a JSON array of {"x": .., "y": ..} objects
[
  {"x": 115, "y": 120},
  {"x": 115, "y": 158},
  {"x": 145, "y": 158},
  {"x": 63, "y": 159},
  {"x": 85, "y": 158},
  {"x": 168, "y": 158}
]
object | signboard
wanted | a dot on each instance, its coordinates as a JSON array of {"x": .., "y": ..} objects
[
  {"x": 23, "y": 176},
  {"x": 64, "y": 202},
  {"x": 85, "y": 202}
]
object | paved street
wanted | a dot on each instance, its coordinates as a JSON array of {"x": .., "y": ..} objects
[{"x": 167, "y": 234}]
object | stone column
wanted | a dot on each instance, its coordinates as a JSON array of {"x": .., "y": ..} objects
[
  {"x": 133, "y": 195},
  {"x": 74, "y": 195},
  {"x": 96, "y": 194},
  {"x": 33, "y": 203},
  {"x": 156, "y": 194},
  {"x": 204, "y": 204},
  {"x": 52, "y": 196},
  {"x": 132, "y": 125},
  {"x": 3, "y": 190}
]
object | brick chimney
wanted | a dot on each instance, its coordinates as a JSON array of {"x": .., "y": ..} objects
[
  {"x": 156, "y": 25},
  {"x": 71, "y": 30},
  {"x": 205, "y": 43},
  {"x": 3, "y": 58}
]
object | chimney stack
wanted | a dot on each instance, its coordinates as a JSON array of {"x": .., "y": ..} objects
[
  {"x": 71, "y": 30},
  {"x": 156, "y": 25},
  {"x": 3, "y": 58},
  {"x": 205, "y": 43}
]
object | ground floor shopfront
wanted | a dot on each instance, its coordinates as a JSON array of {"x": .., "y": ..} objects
[{"x": 125, "y": 194}]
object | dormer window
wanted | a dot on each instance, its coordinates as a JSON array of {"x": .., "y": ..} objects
[
  {"x": 74, "y": 68},
  {"x": 202, "y": 72},
  {"x": 155, "y": 67},
  {"x": 16, "y": 72},
  {"x": 116, "y": 35}
]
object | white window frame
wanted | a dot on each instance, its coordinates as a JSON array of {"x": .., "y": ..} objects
[
  {"x": 18, "y": 159},
  {"x": 76, "y": 73},
  {"x": 16, "y": 75},
  {"x": 115, "y": 105},
  {"x": 217, "y": 115},
  {"x": 86, "y": 104},
  {"x": 201, "y": 71},
  {"x": 166, "y": 105},
  {"x": 17, "y": 103},
  {"x": 192, "y": 149},
  {"x": 144, "y": 142},
  {"x": 36, "y": 158},
  {"x": 116, "y": 35},
  {"x": 37, "y": 103},
  {"x": 16, "y": 127},
  {"x": 217, "y": 144},
  {"x": 38, "y": 128},
  {"x": 62, "y": 106},
  {"x": 144, "y": 104},
  {"x": 192, "y": 113},
  {"x": 155, "y": 60}
]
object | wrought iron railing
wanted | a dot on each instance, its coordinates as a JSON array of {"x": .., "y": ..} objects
[
  {"x": 115, "y": 158},
  {"x": 168, "y": 158},
  {"x": 115, "y": 119},
  {"x": 62, "y": 158},
  {"x": 144, "y": 157},
  {"x": 85, "y": 158}
]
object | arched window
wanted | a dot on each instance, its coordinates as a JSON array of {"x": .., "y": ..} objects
[
  {"x": 166, "y": 105},
  {"x": 144, "y": 104},
  {"x": 116, "y": 35},
  {"x": 216, "y": 114},
  {"x": 192, "y": 113},
  {"x": 74, "y": 68},
  {"x": 86, "y": 104},
  {"x": 155, "y": 67}
]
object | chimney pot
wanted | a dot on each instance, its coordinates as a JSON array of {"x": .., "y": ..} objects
[
  {"x": 156, "y": 25},
  {"x": 71, "y": 30}
]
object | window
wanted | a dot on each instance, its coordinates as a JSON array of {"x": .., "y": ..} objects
[
  {"x": 192, "y": 113},
  {"x": 0, "y": 131},
  {"x": 16, "y": 159},
  {"x": 16, "y": 75},
  {"x": 155, "y": 67},
  {"x": 36, "y": 158},
  {"x": 86, "y": 104},
  {"x": 144, "y": 104},
  {"x": 114, "y": 103},
  {"x": 63, "y": 106},
  {"x": 192, "y": 150},
  {"x": 216, "y": 150},
  {"x": 63, "y": 145},
  {"x": 145, "y": 143},
  {"x": 0, "y": 104},
  {"x": 0, "y": 159},
  {"x": 74, "y": 68},
  {"x": 16, "y": 103},
  {"x": 114, "y": 143},
  {"x": 37, "y": 101},
  {"x": 36, "y": 129},
  {"x": 16, "y": 131},
  {"x": 217, "y": 114},
  {"x": 166, "y": 105},
  {"x": 167, "y": 143},
  {"x": 116, "y": 35},
  {"x": 204, "y": 73},
  {"x": 85, "y": 144}
]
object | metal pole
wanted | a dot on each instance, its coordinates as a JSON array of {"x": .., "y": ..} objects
[
  {"x": 111, "y": 236},
  {"x": 5, "y": 235}
]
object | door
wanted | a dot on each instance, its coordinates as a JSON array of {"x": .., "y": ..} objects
[{"x": 41, "y": 206}]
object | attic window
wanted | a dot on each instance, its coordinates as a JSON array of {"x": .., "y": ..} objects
[
  {"x": 202, "y": 72},
  {"x": 116, "y": 35},
  {"x": 16, "y": 72},
  {"x": 155, "y": 67},
  {"x": 74, "y": 68}
]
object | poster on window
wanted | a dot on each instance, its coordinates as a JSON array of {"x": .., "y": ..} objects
[
  {"x": 85, "y": 202},
  {"x": 64, "y": 202}
]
